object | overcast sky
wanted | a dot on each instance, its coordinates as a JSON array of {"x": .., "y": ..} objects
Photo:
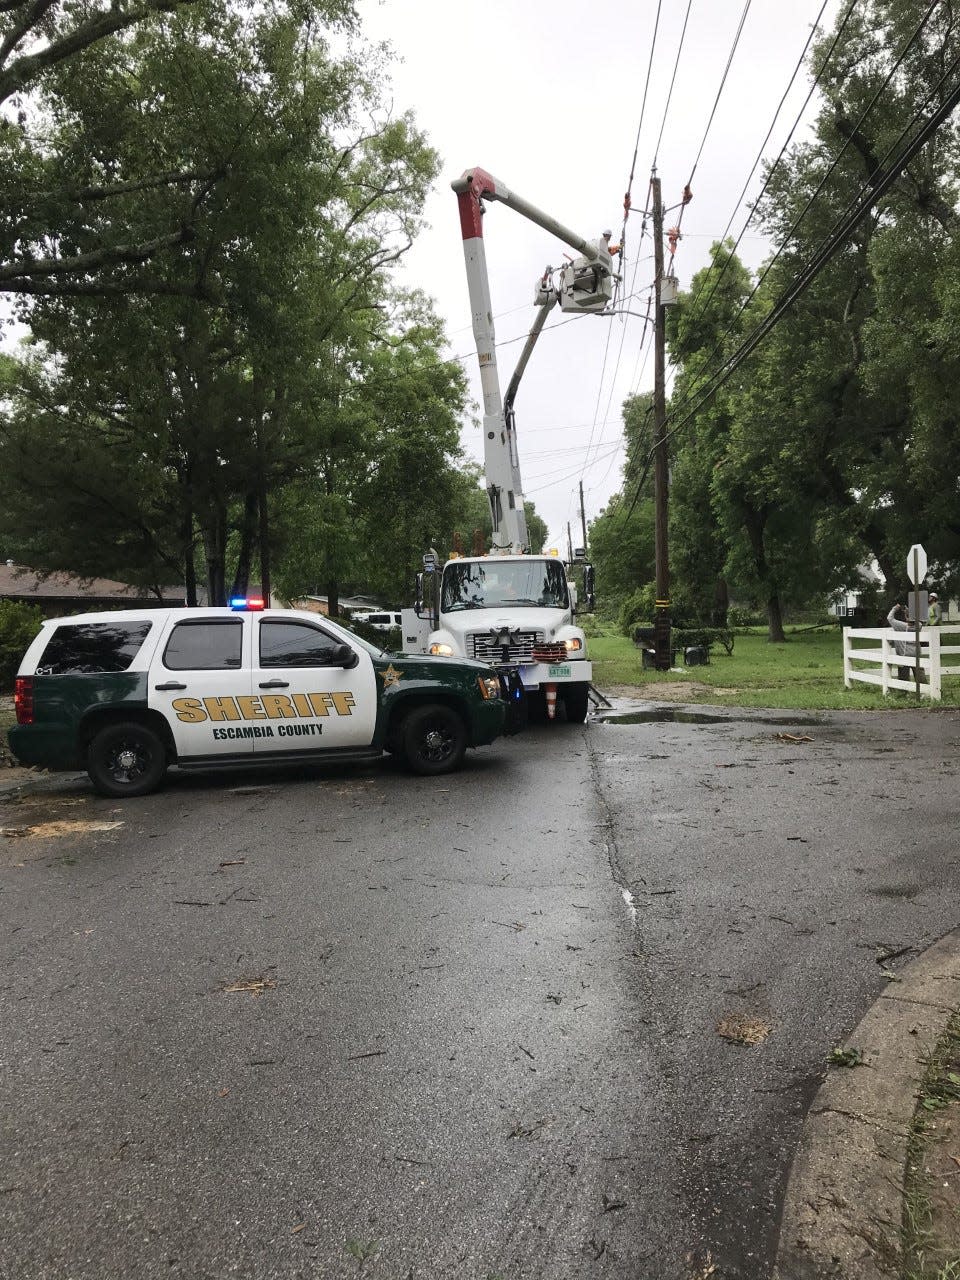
[{"x": 546, "y": 95}]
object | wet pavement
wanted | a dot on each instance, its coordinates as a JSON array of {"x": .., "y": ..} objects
[{"x": 559, "y": 1015}]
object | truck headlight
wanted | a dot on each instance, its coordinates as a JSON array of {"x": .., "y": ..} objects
[
  {"x": 489, "y": 686},
  {"x": 573, "y": 644},
  {"x": 441, "y": 650}
]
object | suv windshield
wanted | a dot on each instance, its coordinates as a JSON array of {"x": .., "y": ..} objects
[{"x": 496, "y": 584}]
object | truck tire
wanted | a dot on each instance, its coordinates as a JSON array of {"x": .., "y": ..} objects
[
  {"x": 434, "y": 739},
  {"x": 126, "y": 759},
  {"x": 575, "y": 702}
]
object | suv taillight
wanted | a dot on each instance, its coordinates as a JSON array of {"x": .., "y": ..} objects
[{"x": 23, "y": 699}]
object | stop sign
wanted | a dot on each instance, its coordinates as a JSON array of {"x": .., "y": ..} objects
[{"x": 916, "y": 564}]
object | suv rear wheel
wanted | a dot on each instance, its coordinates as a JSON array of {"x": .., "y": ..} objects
[
  {"x": 126, "y": 759},
  {"x": 434, "y": 739}
]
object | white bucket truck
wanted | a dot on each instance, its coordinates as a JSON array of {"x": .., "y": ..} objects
[{"x": 508, "y": 607}]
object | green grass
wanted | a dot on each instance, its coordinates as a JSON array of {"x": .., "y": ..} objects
[
  {"x": 931, "y": 1230},
  {"x": 805, "y": 673}
]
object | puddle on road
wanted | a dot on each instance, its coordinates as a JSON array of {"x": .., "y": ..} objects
[{"x": 681, "y": 715}]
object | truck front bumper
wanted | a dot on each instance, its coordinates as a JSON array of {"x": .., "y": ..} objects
[{"x": 540, "y": 673}]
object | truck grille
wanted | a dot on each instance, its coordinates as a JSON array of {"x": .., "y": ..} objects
[
  {"x": 550, "y": 652},
  {"x": 505, "y": 645}
]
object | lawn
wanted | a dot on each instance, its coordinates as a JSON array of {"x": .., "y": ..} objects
[{"x": 804, "y": 673}]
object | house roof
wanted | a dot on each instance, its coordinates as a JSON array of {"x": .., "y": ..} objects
[{"x": 20, "y": 583}]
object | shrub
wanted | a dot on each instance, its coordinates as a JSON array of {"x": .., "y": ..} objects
[
  {"x": 590, "y": 625},
  {"x": 638, "y": 609},
  {"x": 19, "y": 623},
  {"x": 738, "y": 616}
]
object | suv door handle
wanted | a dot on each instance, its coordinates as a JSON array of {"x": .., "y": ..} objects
[
  {"x": 274, "y": 684},
  {"x": 171, "y": 684}
]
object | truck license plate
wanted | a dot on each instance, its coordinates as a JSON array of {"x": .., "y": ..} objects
[{"x": 557, "y": 672}]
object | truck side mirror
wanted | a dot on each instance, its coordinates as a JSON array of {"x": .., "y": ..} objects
[
  {"x": 588, "y": 587},
  {"x": 427, "y": 591}
]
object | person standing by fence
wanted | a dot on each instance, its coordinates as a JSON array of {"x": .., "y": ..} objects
[
  {"x": 933, "y": 613},
  {"x": 897, "y": 619}
]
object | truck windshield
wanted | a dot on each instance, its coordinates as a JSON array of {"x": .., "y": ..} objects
[{"x": 496, "y": 584}]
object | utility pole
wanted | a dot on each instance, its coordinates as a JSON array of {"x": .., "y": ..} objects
[
  {"x": 661, "y": 477},
  {"x": 569, "y": 545},
  {"x": 583, "y": 520}
]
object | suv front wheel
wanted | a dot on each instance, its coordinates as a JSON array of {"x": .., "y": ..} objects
[
  {"x": 434, "y": 739},
  {"x": 126, "y": 759}
]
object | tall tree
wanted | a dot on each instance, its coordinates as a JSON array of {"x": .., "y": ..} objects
[{"x": 226, "y": 396}]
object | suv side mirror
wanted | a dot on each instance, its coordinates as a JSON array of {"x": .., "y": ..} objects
[{"x": 343, "y": 656}]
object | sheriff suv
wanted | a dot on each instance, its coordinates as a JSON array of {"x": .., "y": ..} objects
[{"x": 127, "y": 694}]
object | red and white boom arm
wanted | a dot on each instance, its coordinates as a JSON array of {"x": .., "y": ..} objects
[{"x": 586, "y": 287}]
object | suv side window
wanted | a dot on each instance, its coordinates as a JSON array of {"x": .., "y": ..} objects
[
  {"x": 204, "y": 646},
  {"x": 92, "y": 647},
  {"x": 295, "y": 644}
]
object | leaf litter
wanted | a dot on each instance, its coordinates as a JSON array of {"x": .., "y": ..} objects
[{"x": 743, "y": 1028}]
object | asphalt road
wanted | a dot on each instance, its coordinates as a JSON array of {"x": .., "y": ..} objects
[{"x": 487, "y": 1024}]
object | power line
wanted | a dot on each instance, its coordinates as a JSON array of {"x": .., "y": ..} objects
[
  {"x": 509, "y": 342},
  {"x": 724, "y": 337},
  {"x": 561, "y": 479},
  {"x": 673, "y": 79},
  {"x": 773, "y": 167},
  {"x": 877, "y": 188}
]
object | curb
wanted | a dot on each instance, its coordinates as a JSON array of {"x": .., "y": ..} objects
[{"x": 844, "y": 1204}]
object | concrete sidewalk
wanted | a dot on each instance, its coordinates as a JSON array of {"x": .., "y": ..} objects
[{"x": 843, "y": 1210}]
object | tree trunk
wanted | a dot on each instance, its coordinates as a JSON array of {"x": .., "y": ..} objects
[
  {"x": 263, "y": 537},
  {"x": 189, "y": 568},
  {"x": 775, "y": 619},
  {"x": 721, "y": 603},
  {"x": 215, "y": 551},
  {"x": 755, "y": 523},
  {"x": 241, "y": 579},
  {"x": 333, "y": 599}
]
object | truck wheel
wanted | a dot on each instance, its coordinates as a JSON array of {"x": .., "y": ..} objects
[
  {"x": 434, "y": 739},
  {"x": 575, "y": 702},
  {"x": 126, "y": 759}
]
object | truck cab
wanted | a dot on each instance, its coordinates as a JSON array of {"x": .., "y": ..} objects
[{"x": 509, "y": 611}]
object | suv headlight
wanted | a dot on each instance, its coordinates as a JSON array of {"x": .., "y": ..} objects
[
  {"x": 573, "y": 645},
  {"x": 441, "y": 650},
  {"x": 489, "y": 686}
]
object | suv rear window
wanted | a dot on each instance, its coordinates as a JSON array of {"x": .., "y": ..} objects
[{"x": 91, "y": 647}]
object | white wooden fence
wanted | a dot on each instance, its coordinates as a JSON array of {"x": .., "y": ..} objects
[{"x": 939, "y": 657}]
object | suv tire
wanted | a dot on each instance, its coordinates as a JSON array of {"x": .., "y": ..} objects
[
  {"x": 126, "y": 759},
  {"x": 434, "y": 739}
]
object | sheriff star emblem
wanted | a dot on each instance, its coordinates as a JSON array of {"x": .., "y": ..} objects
[{"x": 391, "y": 676}]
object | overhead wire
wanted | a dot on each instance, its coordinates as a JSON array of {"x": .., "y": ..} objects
[
  {"x": 877, "y": 186},
  {"x": 725, "y": 336},
  {"x": 688, "y": 189},
  {"x": 673, "y": 80},
  {"x": 627, "y": 205},
  {"x": 769, "y": 174}
]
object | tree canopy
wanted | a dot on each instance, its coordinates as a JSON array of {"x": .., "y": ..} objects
[{"x": 835, "y": 442}]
